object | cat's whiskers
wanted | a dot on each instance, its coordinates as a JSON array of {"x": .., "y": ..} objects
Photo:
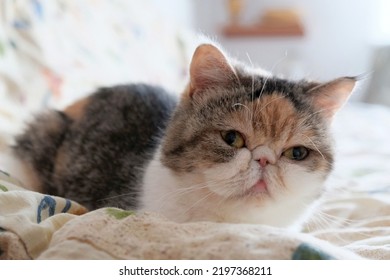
[
  {"x": 182, "y": 191},
  {"x": 314, "y": 145},
  {"x": 263, "y": 87},
  {"x": 253, "y": 88},
  {"x": 272, "y": 71},
  {"x": 323, "y": 222},
  {"x": 228, "y": 185},
  {"x": 246, "y": 107},
  {"x": 230, "y": 189},
  {"x": 131, "y": 194},
  {"x": 347, "y": 224},
  {"x": 275, "y": 179},
  {"x": 196, "y": 203},
  {"x": 309, "y": 116},
  {"x": 187, "y": 190},
  {"x": 259, "y": 110},
  {"x": 229, "y": 195},
  {"x": 235, "y": 187}
]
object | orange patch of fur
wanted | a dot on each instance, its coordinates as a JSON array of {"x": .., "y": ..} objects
[{"x": 77, "y": 109}]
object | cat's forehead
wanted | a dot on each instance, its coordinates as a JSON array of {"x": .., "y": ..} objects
[
  {"x": 270, "y": 119},
  {"x": 262, "y": 83},
  {"x": 276, "y": 95},
  {"x": 257, "y": 87}
]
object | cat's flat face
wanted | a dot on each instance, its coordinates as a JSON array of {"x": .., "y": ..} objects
[{"x": 247, "y": 147}]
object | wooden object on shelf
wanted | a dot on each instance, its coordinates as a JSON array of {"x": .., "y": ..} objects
[
  {"x": 274, "y": 22},
  {"x": 262, "y": 30}
]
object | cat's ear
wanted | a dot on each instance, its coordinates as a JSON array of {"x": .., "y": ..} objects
[
  {"x": 209, "y": 68},
  {"x": 329, "y": 97}
]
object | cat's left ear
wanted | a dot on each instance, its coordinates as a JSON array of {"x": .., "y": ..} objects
[{"x": 329, "y": 97}]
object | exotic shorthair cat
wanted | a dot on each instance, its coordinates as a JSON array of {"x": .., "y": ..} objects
[{"x": 240, "y": 146}]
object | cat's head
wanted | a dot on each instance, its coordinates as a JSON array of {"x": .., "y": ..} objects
[{"x": 249, "y": 147}]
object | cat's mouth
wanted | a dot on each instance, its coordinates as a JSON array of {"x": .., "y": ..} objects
[{"x": 259, "y": 189}]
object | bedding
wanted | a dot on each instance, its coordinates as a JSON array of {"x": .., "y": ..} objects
[
  {"x": 354, "y": 219},
  {"x": 40, "y": 68},
  {"x": 45, "y": 227}
]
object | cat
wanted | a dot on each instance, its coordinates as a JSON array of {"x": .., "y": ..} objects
[{"x": 238, "y": 146}]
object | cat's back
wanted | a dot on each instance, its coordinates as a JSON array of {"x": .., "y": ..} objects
[
  {"x": 96, "y": 148},
  {"x": 126, "y": 115}
]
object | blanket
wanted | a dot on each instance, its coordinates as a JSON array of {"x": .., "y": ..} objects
[{"x": 38, "y": 226}]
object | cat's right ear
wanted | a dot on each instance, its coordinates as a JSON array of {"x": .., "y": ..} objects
[
  {"x": 329, "y": 97},
  {"x": 209, "y": 68}
]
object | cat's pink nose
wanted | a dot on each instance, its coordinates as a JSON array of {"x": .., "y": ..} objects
[
  {"x": 264, "y": 156},
  {"x": 263, "y": 162}
]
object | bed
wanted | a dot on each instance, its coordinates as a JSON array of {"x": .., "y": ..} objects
[{"x": 353, "y": 217}]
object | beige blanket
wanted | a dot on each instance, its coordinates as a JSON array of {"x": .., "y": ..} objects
[{"x": 38, "y": 226}]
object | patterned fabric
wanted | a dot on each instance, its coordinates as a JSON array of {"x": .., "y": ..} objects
[
  {"x": 53, "y": 52},
  {"x": 28, "y": 219},
  {"x": 110, "y": 233}
]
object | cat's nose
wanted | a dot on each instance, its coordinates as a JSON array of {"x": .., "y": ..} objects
[
  {"x": 263, "y": 162},
  {"x": 264, "y": 156}
]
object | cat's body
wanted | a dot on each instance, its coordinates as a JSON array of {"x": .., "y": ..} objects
[
  {"x": 95, "y": 150},
  {"x": 239, "y": 147}
]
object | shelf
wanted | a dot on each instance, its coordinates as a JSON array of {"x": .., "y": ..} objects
[{"x": 263, "y": 31}]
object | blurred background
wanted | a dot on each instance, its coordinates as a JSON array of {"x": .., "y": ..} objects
[
  {"x": 55, "y": 51},
  {"x": 302, "y": 38}
]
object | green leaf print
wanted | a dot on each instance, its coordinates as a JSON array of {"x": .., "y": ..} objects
[
  {"x": 3, "y": 188},
  {"x": 118, "y": 213}
]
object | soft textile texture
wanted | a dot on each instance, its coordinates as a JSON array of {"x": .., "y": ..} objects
[
  {"x": 162, "y": 239},
  {"x": 29, "y": 218},
  {"x": 39, "y": 226}
]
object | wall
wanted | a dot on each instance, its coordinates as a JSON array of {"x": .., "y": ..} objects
[
  {"x": 339, "y": 36},
  {"x": 180, "y": 11}
]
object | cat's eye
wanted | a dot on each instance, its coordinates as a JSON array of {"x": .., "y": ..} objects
[
  {"x": 296, "y": 153},
  {"x": 233, "y": 138}
]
